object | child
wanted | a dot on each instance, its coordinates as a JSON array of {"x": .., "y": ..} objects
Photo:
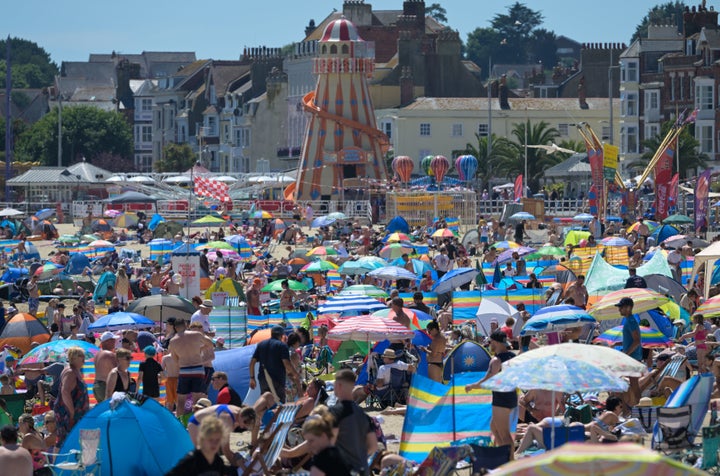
[
  {"x": 149, "y": 373},
  {"x": 6, "y": 388},
  {"x": 171, "y": 371}
]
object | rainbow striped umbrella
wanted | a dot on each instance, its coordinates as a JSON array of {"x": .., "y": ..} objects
[
  {"x": 443, "y": 233},
  {"x": 333, "y": 279},
  {"x": 505, "y": 245},
  {"x": 650, "y": 224},
  {"x": 625, "y": 459},
  {"x": 649, "y": 338},
  {"x": 319, "y": 266},
  {"x": 396, "y": 237},
  {"x": 644, "y": 300},
  {"x": 322, "y": 251},
  {"x": 395, "y": 250},
  {"x": 710, "y": 308},
  {"x": 48, "y": 270}
]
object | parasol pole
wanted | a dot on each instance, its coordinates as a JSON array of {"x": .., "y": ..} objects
[
  {"x": 452, "y": 390},
  {"x": 552, "y": 432}
]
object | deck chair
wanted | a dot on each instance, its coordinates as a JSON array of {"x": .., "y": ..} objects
[
  {"x": 268, "y": 452},
  {"x": 485, "y": 458},
  {"x": 673, "y": 429},
  {"x": 440, "y": 462},
  {"x": 672, "y": 369},
  {"x": 563, "y": 434},
  {"x": 79, "y": 463}
]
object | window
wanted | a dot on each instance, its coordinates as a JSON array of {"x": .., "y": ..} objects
[
  {"x": 606, "y": 130},
  {"x": 672, "y": 88},
  {"x": 457, "y": 130},
  {"x": 704, "y": 135},
  {"x": 212, "y": 126},
  {"x": 629, "y": 143},
  {"x": 143, "y": 162},
  {"x": 145, "y": 104},
  {"x": 483, "y": 130},
  {"x": 651, "y": 130},
  {"x": 704, "y": 97},
  {"x": 564, "y": 129},
  {"x": 629, "y": 72},
  {"x": 386, "y": 127},
  {"x": 146, "y": 133},
  {"x": 652, "y": 100},
  {"x": 425, "y": 129},
  {"x": 631, "y": 105},
  {"x": 242, "y": 137}
]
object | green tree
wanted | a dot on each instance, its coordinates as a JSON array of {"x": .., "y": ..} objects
[
  {"x": 688, "y": 147},
  {"x": 663, "y": 14},
  {"x": 87, "y": 132},
  {"x": 502, "y": 151},
  {"x": 31, "y": 64},
  {"x": 176, "y": 158},
  {"x": 537, "y": 159},
  {"x": 436, "y": 11}
]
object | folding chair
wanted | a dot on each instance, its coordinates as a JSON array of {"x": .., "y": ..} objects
[
  {"x": 440, "y": 462},
  {"x": 673, "y": 429},
  {"x": 268, "y": 453},
  {"x": 79, "y": 462},
  {"x": 485, "y": 458}
]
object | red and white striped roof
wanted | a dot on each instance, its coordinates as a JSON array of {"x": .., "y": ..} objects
[{"x": 340, "y": 30}]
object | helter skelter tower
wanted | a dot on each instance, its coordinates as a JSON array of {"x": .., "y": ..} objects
[{"x": 342, "y": 140}]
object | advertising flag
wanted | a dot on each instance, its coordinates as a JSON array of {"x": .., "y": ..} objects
[
  {"x": 518, "y": 188},
  {"x": 663, "y": 176},
  {"x": 673, "y": 194},
  {"x": 702, "y": 200}
]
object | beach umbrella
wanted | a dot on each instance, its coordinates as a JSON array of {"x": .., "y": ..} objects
[
  {"x": 601, "y": 356},
  {"x": 56, "y": 351},
  {"x": 22, "y": 330},
  {"x": 418, "y": 319},
  {"x": 650, "y": 224},
  {"x": 297, "y": 261},
  {"x": 322, "y": 221},
  {"x": 507, "y": 255},
  {"x": 370, "y": 328},
  {"x": 613, "y": 218},
  {"x": 663, "y": 232},
  {"x": 554, "y": 318},
  {"x": 279, "y": 224},
  {"x": 393, "y": 273},
  {"x": 587, "y": 459},
  {"x": 679, "y": 241},
  {"x": 453, "y": 279},
  {"x": 644, "y": 300},
  {"x": 547, "y": 250},
  {"x": 45, "y": 213},
  {"x": 505, "y": 245},
  {"x": 261, "y": 214},
  {"x": 160, "y": 307},
  {"x": 362, "y": 266},
  {"x": 583, "y": 217},
  {"x": 209, "y": 220},
  {"x": 10, "y": 212},
  {"x": 365, "y": 290},
  {"x": 649, "y": 338},
  {"x": 125, "y": 220},
  {"x": 322, "y": 251},
  {"x": 319, "y": 266},
  {"x": 351, "y": 302},
  {"x": 217, "y": 245},
  {"x": 710, "y": 308},
  {"x": 615, "y": 241},
  {"x": 241, "y": 245},
  {"x": 276, "y": 286},
  {"x": 420, "y": 267},
  {"x": 337, "y": 215},
  {"x": 47, "y": 271},
  {"x": 69, "y": 239},
  {"x": 522, "y": 216},
  {"x": 678, "y": 219},
  {"x": 493, "y": 308},
  {"x": 110, "y": 213},
  {"x": 121, "y": 320},
  {"x": 224, "y": 254},
  {"x": 396, "y": 237},
  {"x": 89, "y": 238},
  {"x": 395, "y": 250},
  {"x": 443, "y": 233},
  {"x": 101, "y": 244}
]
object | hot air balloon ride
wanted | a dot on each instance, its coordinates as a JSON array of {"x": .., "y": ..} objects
[
  {"x": 403, "y": 166},
  {"x": 425, "y": 165},
  {"x": 439, "y": 166},
  {"x": 466, "y": 166}
]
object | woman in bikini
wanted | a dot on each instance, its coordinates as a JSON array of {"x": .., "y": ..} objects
[
  {"x": 435, "y": 352},
  {"x": 699, "y": 334}
]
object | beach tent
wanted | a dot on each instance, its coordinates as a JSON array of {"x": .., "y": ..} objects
[
  {"x": 155, "y": 221},
  {"x": 131, "y": 197},
  {"x": 663, "y": 232},
  {"x": 31, "y": 251},
  {"x": 77, "y": 263},
  {"x": 398, "y": 224},
  {"x": 709, "y": 255},
  {"x": 13, "y": 274},
  {"x": 45, "y": 229},
  {"x": 467, "y": 356},
  {"x": 22, "y": 330},
  {"x": 604, "y": 277},
  {"x": 136, "y": 439},
  {"x": 573, "y": 237},
  {"x": 167, "y": 229},
  {"x": 226, "y": 285},
  {"x": 106, "y": 280},
  {"x": 235, "y": 363}
]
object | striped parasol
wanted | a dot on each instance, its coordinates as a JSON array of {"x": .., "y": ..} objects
[
  {"x": 396, "y": 237},
  {"x": 554, "y": 318},
  {"x": 710, "y": 308},
  {"x": 364, "y": 290},
  {"x": 333, "y": 279},
  {"x": 22, "y": 330},
  {"x": 322, "y": 251},
  {"x": 370, "y": 328},
  {"x": 48, "y": 270},
  {"x": 649, "y": 338},
  {"x": 349, "y": 303},
  {"x": 505, "y": 245},
  {"x": 650, "y": 224},
  {"x": 644, "y": 300},
  {"x": 319, "y": 266},
  {"x": 443, "y": 233}
]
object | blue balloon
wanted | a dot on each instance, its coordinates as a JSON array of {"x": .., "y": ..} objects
[{"x": 467, "y": 166}]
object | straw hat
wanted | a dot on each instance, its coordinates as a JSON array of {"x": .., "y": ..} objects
[
  {"x": 645, "y": 402},
  {"x": 389, "y": 354}
]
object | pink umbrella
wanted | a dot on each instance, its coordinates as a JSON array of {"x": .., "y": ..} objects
[
  {"x": 370, "y": 328},
  {"x": 226, "y": 254}
]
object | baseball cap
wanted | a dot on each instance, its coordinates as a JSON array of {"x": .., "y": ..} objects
[
  {"x": 626, "y": 301},
  {"x": 106, "y": 336},
  {"x": 150, "y": 351}
]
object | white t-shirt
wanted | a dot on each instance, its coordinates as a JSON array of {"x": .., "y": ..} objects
[
  {"x": 198, "y": 316},
  {"x": 384, "y": 371}
]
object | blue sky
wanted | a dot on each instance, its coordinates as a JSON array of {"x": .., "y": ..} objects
[{"x": 72, "y": 29}]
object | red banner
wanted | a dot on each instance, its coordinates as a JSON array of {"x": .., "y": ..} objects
[
  {"x": 702, "y": 200},
  {"x": 595, "y": 157},
  {"x": 663, "y": 176},
  {"x": 518, "y": 188},
  {"x": 673, "y": 194}
]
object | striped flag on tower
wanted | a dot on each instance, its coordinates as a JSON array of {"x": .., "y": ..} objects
[{"x": 211, "y": 188}]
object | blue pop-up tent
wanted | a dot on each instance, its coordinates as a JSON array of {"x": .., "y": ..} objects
[
  {"x": 13, "y": 274},
  {"x": 135, "y": 439},
  {"x": 236, "y": 364},
  {"x": 106, "y": 280},
  {"x": 77, "y": 264},
  {"x": 398, "y": 224}
]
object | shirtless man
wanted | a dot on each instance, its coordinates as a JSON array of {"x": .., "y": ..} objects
[
  {"x": 435, "y": 352},
  {"x": 538, "y": 404},
  {"x": 396, "y": 304},
  {"x": 253, "y": 297},
  {"x": 189, "y": 349},
  {"x": 578, "y": 292},
  {"x": 33, "y": 295},
  {"x": 105, "y": 361},
  {"x": 14, "y": 459},
  {"x": 156, "y": 280}
]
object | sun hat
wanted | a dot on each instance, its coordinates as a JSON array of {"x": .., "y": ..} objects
[
  {"x": 106, "y": 336},
  {"x": 207, "y": 303},
  {"x": 202, "y": 403},
  {"x": 645, "y": 402},
  {"x": 389, "y": 354}
]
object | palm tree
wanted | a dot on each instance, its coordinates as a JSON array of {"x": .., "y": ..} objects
[
  {"x": 537, "y": 159},
  {"x": 688, "y": 145},
  {"x": 502, "y": 150}
]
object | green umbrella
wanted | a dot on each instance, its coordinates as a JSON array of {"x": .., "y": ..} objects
[
  {"x": 678, "y": 219},
  {"x": 276, "y": 285},
  {"x": 319, "y": 267},
  {"x": 366, "y": 290},
  {"x": 217, "y": 245},
  {"x": 209, "y": 220},
  {"x": 547, "y": 251},
  {"x": 69, "y": 239},
  {"x": 89, "y": 238}
]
